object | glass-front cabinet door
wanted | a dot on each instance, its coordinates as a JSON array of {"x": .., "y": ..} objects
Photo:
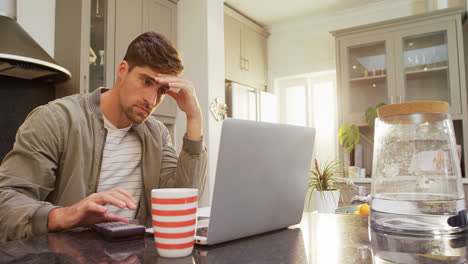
[
  {"x": 365, "y": 74},
  {"x": 427, "y": 64},
  {"x": 97, "y": 45}
]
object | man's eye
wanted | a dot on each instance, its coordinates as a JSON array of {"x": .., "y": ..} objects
[
  {"x": 147, "y": 82},
  {"x": 163, "y": 90}
]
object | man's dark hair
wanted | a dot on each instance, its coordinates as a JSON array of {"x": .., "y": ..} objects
[{"x": 156, "y": 51}]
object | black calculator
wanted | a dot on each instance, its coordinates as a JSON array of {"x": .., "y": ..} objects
[{"x": 119, "y": 230}]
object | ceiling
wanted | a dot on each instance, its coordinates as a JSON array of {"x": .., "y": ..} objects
[{"x": 270, "y": 12}]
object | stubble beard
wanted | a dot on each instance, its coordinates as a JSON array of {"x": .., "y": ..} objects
[{"x": 135, "y": 117}]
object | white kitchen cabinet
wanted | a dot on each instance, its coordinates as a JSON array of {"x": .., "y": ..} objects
[
  {"x": 82, "y": 28},
  {"x": 159, "y": 16},
  {"x": 361, "y": 87},
  {"x": 415, "y": 58},
  {"x": 245, "y": 50},
  {"x": 408, "y": 59},
  {"x": 254, "y": 54},
  {"x": 112, "y": 25},
  {"x": 232, "y": 48}
]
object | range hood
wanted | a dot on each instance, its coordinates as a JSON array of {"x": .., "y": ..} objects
[{"x": 20, "y": 55}]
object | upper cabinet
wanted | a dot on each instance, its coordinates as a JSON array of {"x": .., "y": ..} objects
[
  {"x": 81, "y": 33},
  {"x": 245, "y": 50},
  {"x": 159, "y": 16},
  {"x": 92, "y": 36},
  {"x": 416, "y": 58}
]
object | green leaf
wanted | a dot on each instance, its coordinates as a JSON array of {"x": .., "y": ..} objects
[
  {"x": 349, "y": 136},
  {"x": 371, "y": 114}
]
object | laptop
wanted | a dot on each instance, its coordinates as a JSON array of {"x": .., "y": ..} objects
[{"x": 261, "y": 180}]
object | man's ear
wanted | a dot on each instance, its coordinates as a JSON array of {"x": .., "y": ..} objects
[{"x": 122, "y": 69}]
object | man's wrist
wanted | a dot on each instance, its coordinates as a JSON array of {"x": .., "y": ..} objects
[
  {"x": 55, "y": 220},
  {"x": 194, "y": 128}
]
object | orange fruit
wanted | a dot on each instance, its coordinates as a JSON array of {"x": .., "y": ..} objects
[{"x": 364, "y": 209}]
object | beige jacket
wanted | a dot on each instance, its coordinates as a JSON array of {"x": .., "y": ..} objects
[{"x": 56, "y": 161}]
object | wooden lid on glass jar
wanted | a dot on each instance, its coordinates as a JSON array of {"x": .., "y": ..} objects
[{"x": 413, "y": 108}]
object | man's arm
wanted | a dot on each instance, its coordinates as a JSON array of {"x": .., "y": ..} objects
[
  {"x": 27, "y": 176},
  {"x": 191, "y": 164},
  {"x": 188, "y": 170}
]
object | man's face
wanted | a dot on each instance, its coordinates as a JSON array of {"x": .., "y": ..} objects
[{"x": 139, "y": 93}]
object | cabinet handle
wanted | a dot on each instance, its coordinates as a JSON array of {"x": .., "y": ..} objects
[
  {"x": 85, "y": 86},
  {"x": 399, "y": 99},
  {"x": 244, "y": 64},
  {"x": 390, "y": 100}
]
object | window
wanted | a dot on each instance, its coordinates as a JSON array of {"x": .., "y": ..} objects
[{"x": 310, "y": 100}]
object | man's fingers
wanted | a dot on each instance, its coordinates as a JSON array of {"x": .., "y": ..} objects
[
  {"x": 168, "y": 79},
  {"x": 125, "y": 193},
  {"x": 175, "y": 82},
  {"x": 106, "y": 198},
  {"x": 117, "y": 197},
  {"x": 128, "y": 202},
  {"x": 172, "y": 94},
  {"x": 183, "y": 86},
  {"x": 96, "y": 208}
]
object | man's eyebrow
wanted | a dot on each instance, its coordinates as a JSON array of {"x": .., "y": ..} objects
[{"x": 148, "y": 77}]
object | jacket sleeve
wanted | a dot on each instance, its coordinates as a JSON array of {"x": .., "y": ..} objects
[
  {"x": 27, "y": 176},
  {"x": 186, "y": 171}
]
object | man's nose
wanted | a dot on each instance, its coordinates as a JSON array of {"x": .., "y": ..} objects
[{"x": 151, "y": 96}]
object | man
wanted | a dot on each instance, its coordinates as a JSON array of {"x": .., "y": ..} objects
[{"x": 92, "y": 158}]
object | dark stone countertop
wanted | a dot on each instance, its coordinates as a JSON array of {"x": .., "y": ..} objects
[{"x": 319, "y": 238}]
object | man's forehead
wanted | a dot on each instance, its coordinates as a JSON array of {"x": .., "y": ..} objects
[
  {"x": 152, "y": 72},
  {"x": 146, "y": 71},
  {"x": 143, "y": 74}
]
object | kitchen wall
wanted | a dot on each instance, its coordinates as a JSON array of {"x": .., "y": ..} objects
[{"x": 200, "y": 38}]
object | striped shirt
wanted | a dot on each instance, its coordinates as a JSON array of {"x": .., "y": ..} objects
[{"x": 121, "y": 162}]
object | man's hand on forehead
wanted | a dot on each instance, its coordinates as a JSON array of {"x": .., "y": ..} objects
[
  {"x": 183, "y": 92},
  {"x": 165, "y": 81},
  {"x": 163, "y": 88}
]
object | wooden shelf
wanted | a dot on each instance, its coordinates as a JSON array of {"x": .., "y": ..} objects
[
  {"x": 423, "y": 73},
  {"x": 358, "y": 180},
  {"x": 369, "y": 180},
  {"x": 378, "y": 77}
]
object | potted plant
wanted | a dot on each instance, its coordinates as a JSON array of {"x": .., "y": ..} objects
[
  {"x": 323, "y": 186},
  {"x": 349, "y": 135}
]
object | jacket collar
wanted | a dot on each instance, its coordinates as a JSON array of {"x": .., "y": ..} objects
[
  {"x": 95, "y": 105},
  {"x": 95, "y": 102}
]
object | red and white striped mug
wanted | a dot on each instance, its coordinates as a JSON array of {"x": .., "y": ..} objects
[{"x": 174, "y": 213}]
